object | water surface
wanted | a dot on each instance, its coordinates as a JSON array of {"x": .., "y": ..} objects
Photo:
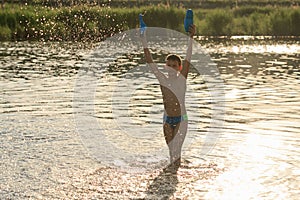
[{"x": 42, "y": 151}]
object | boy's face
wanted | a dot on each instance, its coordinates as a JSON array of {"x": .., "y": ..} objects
[{"x": 172, "y": 66}]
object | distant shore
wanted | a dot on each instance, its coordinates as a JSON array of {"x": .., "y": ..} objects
[{"x": 95, "y": 23}]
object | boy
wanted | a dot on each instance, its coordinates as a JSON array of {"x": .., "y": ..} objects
[{"x": 173, "y": 88}]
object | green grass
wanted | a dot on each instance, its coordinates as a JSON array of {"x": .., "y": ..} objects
[{"x": 81, "y": 23}]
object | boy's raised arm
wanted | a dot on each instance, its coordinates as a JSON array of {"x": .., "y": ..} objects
[
  {"x": 187, "y": 60},
  {"x": 158, "y": 74},
  {"x": 147, "y": 53}
]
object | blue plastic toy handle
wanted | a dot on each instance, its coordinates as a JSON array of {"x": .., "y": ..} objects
[
  {"x": 188, "y": 20},
  {"x": 142, "y": 24}
]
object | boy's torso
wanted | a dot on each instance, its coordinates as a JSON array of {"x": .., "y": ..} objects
[{"x": 174, "y": 97}]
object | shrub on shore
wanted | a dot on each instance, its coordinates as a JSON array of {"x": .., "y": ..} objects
[{"x": 80, "y": 23}]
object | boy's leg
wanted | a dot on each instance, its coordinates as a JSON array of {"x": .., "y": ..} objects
[
  {"x": 174, "y": 138},
  {"x": 169, "y": 132},
  {"x": 177, "y": 141}
]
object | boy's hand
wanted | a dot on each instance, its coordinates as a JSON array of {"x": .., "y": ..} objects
[
  {"x": 192, "y": 30},
  {"x": 142, "y": 33},
  {"x": 143, "y": 25}
]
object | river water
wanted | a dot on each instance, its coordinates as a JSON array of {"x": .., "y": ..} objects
[{"x": 43, "y": 149}]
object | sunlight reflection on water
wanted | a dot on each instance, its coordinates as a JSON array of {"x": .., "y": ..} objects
[{"x": 259, "y": 149}]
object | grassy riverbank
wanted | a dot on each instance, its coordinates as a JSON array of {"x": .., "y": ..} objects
[{"x": 80, "y": 23}]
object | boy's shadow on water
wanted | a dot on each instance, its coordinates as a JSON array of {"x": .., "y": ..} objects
[{"x": 164, "y": 185}]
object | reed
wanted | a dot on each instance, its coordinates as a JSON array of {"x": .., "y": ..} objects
[{"x": 81, "y": 23}]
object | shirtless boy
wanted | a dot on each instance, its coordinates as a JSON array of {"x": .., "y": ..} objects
[{"x": 173, "y": 88}]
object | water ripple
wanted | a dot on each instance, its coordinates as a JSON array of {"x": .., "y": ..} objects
[{"x": 41, "y": 151}]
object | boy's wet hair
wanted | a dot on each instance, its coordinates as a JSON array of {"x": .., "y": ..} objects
[{"x": 174, "y": 57}]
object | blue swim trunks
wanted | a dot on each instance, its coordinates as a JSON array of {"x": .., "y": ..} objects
[{"x": 173, "y": 121}]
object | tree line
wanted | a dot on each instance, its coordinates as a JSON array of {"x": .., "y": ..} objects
[{"x": 205, "y": 4}]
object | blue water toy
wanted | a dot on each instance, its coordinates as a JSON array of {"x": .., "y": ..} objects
[
  {"x": 142, "y": 24},
  {"x": 188, "y": 20}
]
